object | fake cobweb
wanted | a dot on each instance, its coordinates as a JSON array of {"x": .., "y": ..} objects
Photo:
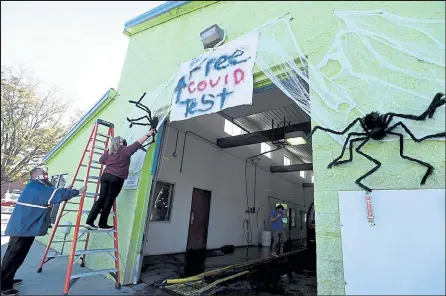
[{"x": 378, "y": 61}]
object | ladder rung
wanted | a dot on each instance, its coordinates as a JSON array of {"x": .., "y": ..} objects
[
  {"x": 86, "y": 211},
  {"x": 84, "y": 252},
  {"x": 67, "y": 241},
  {"x": 105, "y": 123},
  {"x": 95, "y": 251},
  {"x": 91, "y": 194},
  {"x": 105, "y": 136},
  {"x": 100, "y": 148},
  {"x": 100, "y": 141},
  {"x": 66, "y": 225},
  {"x": 98, "y": 153},
  {"x": 93, "y": 177},
  {"x": 83, "y": 211},
  {"x": 95, "y": 161},
  {"x": 92, "y": 180},
  {"x": 91, "y": 167},
  {"x": 95, "y": 231},
  {"x": 92, "y": 273}
]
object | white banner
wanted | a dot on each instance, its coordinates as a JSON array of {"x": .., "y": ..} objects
[{"x": 216, "y": 80}]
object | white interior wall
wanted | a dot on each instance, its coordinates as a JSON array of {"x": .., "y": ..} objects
[{"x": 223, "y": 173}]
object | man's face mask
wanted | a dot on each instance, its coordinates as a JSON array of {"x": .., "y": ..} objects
[
  {"x": 124, "y": 143},
  {"x": 44, "y": 179}
]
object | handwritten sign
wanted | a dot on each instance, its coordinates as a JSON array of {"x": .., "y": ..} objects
[
  {"x": 131, "y": 183},
  {"x": 216, "y": 80}
]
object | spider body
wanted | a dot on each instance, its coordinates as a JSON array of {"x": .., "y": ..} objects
[
  {"x": 152, "y": 122},
  {"x": 377, "y": 126}
]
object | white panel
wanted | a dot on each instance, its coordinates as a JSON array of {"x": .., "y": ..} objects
[
  {"x": 404, "y": 253},
  {"x": 213, "y": 169}
]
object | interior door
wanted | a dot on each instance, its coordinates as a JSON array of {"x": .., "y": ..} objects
[{"x": 199, "y": 219}]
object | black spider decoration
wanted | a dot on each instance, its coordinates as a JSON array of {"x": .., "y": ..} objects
[
  {"x": 152, "y": 122},
  {"x": 378, "y": 126}
]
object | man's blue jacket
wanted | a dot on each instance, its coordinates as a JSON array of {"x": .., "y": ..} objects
[{"x": 31, "y": 215}]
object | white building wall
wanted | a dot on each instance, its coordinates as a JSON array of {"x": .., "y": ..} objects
[{"x": 207, "y": 167}]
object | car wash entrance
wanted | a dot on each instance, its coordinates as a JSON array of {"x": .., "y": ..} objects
[
  {"x": 232, "y": 160},
  {"x": 211, "y": 204}
]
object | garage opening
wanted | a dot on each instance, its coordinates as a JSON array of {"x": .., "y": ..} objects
[{"x": 219, "y": 177}]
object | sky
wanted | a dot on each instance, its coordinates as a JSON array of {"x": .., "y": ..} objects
[{"x": 75, "y": 46}]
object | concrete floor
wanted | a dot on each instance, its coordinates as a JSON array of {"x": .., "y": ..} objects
[
  {"x": 158, "y": 268},
  {"x": 51, "y": 280}
]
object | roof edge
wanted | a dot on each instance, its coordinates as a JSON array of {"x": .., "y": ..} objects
[
  {"x": 160, "y": 14},
  {"x": 110, "y": 94}
]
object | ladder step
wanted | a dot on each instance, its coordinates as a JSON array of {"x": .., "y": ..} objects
[
  {"x": 95, "y": 161},
  {"x": 91, "y": 194},
  {"x": 67, "y": 241},
  {"x": 92, "y": 180},
  {"x": 96, "y": 272},
  {"x": 98, "y": 153},
  {"x": 85, "y": 211},
  {"x": 100, "y": 148},
  {"x": 105, "y": 123},
  {"x": 101, "y": 141},
  {"x": 96, "y": 231},
  {"x": 94, "y": 251},
  {"x": 91, "y": 167},
  {"x": 93, "y": 177},
  {"x": 105, "y": 136},
  {"x": 84, "y": 252}
]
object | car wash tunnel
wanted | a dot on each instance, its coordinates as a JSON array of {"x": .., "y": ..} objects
[{"x": 218, "y": 179}]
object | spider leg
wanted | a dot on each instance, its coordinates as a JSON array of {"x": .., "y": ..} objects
[
  {"x": 137, "y": 123},
  {"x": 375, "y": 161},
  {"x": 136, "y": 119},
  {"x": 437, "y": 135},
  {"x": 336, "y": 132},
  {"x": 438, "y": 100},
  {"x": 430, "y": 168},
  {"x": 335, "y": 161},
  {"x": 142, "y": 97}
]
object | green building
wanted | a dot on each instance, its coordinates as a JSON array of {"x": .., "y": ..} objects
[{"x": 328, "y": 43}]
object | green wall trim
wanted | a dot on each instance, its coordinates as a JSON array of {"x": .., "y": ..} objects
[{"x": 182, "y": 10}]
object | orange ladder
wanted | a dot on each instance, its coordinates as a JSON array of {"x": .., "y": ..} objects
[{"x": 93, "y": 148}]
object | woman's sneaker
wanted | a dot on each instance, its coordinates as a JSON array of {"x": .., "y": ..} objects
[
  {"x": 16, "y": 282},
  {"x": 274, "y": 254},
  {"x": 91, "y": 226},
  {"x": 105, "y": 227}
]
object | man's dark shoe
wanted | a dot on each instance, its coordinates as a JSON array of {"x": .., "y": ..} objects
[{"x": 10, "y": 292}]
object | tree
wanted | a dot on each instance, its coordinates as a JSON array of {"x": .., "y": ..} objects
[{"x": 30, "y": 123}]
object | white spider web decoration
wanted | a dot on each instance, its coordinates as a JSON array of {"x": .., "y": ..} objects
[{"x": 378, "y": 61}]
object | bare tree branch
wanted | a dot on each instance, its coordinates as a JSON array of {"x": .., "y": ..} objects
[{"x": 30, "y": 122}]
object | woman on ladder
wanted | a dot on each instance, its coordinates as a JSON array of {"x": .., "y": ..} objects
[{"x": 117, "y": 163}]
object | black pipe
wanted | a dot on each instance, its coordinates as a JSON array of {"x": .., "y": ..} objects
[
  {"x": 184, "y": 146},
  {"x": 176, "y": 145}
]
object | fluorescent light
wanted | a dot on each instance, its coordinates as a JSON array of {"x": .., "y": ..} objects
[
  {"x": 295, "y": 138},
  {"x": 296, "y": 141}
]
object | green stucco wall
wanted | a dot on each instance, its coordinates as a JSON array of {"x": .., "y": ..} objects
[{"x": 154, "y": 54}]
